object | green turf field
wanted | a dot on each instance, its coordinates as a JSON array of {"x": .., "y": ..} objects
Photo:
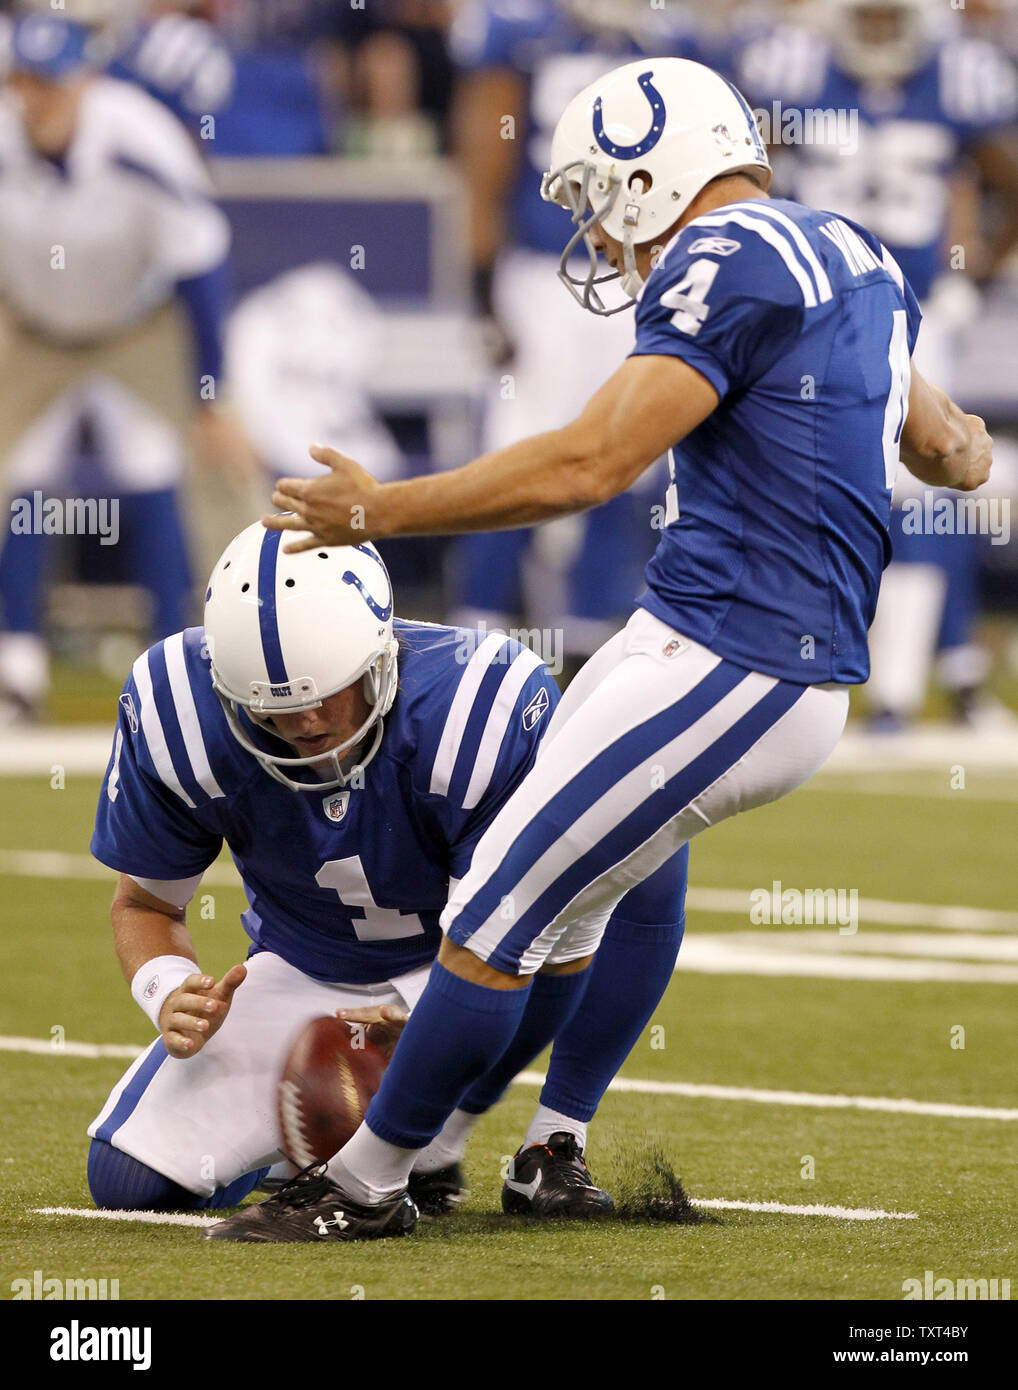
[{"x": 896, "y": 838}]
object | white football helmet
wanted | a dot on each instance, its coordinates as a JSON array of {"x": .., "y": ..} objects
[
  {"x": 633, "y": 150},
  {"x": 880, "y": 41},
  {"x": 284, "y": 632}
]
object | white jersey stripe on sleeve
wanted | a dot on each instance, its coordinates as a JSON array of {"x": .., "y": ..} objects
[
  {"x": 761, "y": 208},
  {"x": 516, "y": 677},
  {"x": 187, "y": 715},
  {"x": 773, "y": 237},
  {"x": 152, "y": 728},
  {"x": 459, "y": 711},
  {"x": 892, "y": 267}
]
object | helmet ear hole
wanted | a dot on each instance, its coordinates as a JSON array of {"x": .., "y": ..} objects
[{"x": 640, "y": 181}]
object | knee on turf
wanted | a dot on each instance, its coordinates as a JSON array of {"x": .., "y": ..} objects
[{"x": 119, "y": 1182}]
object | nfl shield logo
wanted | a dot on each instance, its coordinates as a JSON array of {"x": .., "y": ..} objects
[{"x": 335, "y": 805}]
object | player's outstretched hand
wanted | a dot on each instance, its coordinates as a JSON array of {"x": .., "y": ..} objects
[
  {"x": 196, "y": 1010},
  {"x": 335, "y": 507},
  {"x": 979, "y": 455},
  {"x": 383, "y": 1025}
]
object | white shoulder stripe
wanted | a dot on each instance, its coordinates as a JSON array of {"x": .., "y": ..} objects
[
  {"x": 773, "y": 237},
  {"x": 459, "y": 711},
  {"x": 892, "y": 267},
  {"x": 152, "y": 728},
  {"x": 187, "y": 715},
  {"x": 761, "y": 208},
  {"x": 516, "y": 677}
]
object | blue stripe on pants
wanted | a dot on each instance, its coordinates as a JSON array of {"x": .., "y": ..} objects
[
  {"x": 133, "y": 1091},
  {"x": 660, "y": 807},
  {"x": 591, "y": 783}
]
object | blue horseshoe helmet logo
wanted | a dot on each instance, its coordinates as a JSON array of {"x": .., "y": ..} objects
[
  {"x": 657, "y": 123},
  {"x": 382, "y": 612}
]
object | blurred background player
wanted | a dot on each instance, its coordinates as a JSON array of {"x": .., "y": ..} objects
[
  {"x": 113, "y": 287},
  {"x": 520, "y": 63},
  {"x": 302, "y": 354},
  {"x": 932, "y": 104}
]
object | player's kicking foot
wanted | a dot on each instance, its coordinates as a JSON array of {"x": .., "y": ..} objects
[
  {"x": 313, "y": 1208},
  {"x": 440, "y": 1192},
  {"x": 553, "y": 1180}
]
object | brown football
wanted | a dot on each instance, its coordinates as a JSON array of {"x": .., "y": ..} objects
[{"x": 328, "y": 1079}]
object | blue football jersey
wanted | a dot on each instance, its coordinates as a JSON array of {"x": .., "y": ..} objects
[
  {"x": 775, "y": 531},
  {"x": 890, "y": 167},
  {"x": 538, "y": 40},
  {"x": 346, "y": 885}
]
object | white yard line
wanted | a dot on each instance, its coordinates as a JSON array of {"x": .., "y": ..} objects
[
  {"x": 151, "y": 1218},
  {"x": 813, "y": 1100},
  {"x": 49, "y": 863},
  {"x": 751, "y": 953},
  {"x": 31, "y": 863},
  {"x": 169, "y": 1218},
  {"x": 688, "y": 1089},
  {"x": 881, "y": 911},
  {"x": 50, "y": 1047},
  {"x": 999, "y": 948},
  {"x": 794, "y": 1209}
]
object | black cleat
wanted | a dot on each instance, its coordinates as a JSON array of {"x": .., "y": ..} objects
[
  {"x": 313, "y": 1208},
  {"x": 440, "y": 1192},
  {"x": 553, "y": 1180}
]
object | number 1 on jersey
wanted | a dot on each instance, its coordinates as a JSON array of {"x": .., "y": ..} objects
[{"x": 347, "y": 878}]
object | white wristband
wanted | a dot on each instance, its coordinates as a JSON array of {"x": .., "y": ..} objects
[{"x": 157, "y": 979}]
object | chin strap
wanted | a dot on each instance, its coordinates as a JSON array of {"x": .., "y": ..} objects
[{"x": 631, "y": 280}]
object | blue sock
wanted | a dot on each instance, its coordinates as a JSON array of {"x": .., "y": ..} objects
[
  {"x": 119, "y": 1182},
  {"x": 23, "y": 561},
  {"x": 157, "y": 555},
  {"x": 456, "y": 1033},
  {"x": 630, "y": 973},
  {"x": 552, "y": 1001}
]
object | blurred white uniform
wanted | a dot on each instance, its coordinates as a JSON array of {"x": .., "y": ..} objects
[
  {"x": 301, "y": 355},
  {"x": 91, "y": 249}
]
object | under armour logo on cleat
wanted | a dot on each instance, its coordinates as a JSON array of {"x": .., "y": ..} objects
[{"x": 322, "y": 1226}]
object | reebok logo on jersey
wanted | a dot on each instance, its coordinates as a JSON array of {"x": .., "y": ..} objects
[
  {"x": 714, "y": 246},
  {"x": 535, "y": 710},
  {"x": 127, "y": 705}
]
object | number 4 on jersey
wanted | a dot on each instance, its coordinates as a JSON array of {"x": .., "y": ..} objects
[{"x": 688, "y": 298}]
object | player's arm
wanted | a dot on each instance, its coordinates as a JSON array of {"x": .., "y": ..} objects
[
  {"x": 940, "y": 444},
  {"x": 487, "y": 162},
  {"x": 148, "y": 931},
  {"x": 997, "y": 166},
  {"x": 649, "y": 404}
]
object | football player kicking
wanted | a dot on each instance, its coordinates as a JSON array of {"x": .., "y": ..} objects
[
  {"x": 350, "y": 760},
  {"x": 772, "y": 357}
]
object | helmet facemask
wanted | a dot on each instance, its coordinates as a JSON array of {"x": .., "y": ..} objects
[
  {"x": 379, "y": 676},
  {"x": 570, "y": 187}
]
